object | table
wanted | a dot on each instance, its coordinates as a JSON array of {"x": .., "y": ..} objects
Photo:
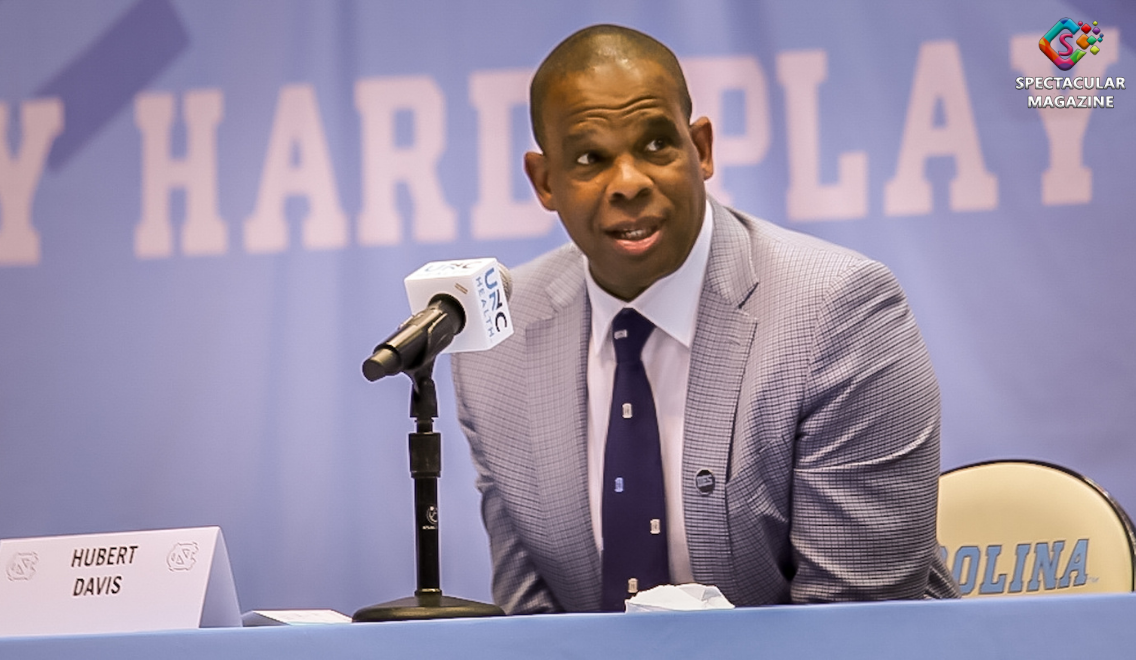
[{"x": 1085, "y": 626}]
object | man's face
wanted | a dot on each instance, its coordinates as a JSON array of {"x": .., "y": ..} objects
[{"x": 624, "y": 171}]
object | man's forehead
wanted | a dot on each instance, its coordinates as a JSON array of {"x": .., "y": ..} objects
[
  {"x": 616, "y": 86},
  {"x": 617, "y": 70},
  {"x": 649, "y": 115}
]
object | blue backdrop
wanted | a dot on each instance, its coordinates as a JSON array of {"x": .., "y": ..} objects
[{"x": 207, "y": 209}]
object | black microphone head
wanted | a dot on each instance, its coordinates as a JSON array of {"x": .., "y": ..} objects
[
  {"x": 466, "y": 297},
  {"x": 384, "y": 362}
]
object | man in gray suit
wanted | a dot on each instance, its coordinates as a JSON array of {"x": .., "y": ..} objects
[{"x": 798, "y": 413}]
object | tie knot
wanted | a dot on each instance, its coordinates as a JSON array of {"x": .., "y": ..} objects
[{"x": 629, "y": 332}]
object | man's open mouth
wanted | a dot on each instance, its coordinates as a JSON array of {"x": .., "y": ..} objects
[
  {"x": 634, "y": 234},
  {"x": 636, "y": 238}
]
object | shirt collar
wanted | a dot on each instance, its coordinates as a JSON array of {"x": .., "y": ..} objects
[{"x": 671, "y": 303}]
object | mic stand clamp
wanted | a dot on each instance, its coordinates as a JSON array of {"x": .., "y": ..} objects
[{"x": 428, "y": 602}]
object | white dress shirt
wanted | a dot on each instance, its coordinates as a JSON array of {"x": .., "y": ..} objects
[{"x": 671, "y": 304}]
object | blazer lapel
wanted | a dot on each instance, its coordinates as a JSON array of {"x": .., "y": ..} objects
[
  {"x": 719, "y": 353},
  {"x": 557, "y": 382}
]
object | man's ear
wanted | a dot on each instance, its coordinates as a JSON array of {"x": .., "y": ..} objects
[
  {"x": 536, "y": 167},
  {"x": 702, "y": 134}
]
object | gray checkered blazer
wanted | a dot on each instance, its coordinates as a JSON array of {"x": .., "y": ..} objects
[{"x": 811, "y": 399}]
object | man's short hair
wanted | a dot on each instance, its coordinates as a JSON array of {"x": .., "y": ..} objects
[{"x": 595, "y": 45}]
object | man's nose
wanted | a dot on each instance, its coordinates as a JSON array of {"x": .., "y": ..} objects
[{"x": 628, "y": 181}]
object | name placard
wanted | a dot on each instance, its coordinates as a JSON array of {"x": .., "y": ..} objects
[{"x": 123, "y": 582}]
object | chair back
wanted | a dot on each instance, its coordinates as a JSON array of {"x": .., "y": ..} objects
[{"x": 1026, "y": 527}]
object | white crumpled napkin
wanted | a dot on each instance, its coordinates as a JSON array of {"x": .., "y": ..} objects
[{"x": 681, "y": 598}]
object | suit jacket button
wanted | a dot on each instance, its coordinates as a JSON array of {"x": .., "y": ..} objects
[{"x": 704, "y": 481}]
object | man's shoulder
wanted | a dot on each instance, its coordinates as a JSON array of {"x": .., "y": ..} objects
[
  {"x": 537, "y": 283},
  {"x": 540, "y": 271},
  {"x": 771, "y": 241},
  {"x": 787, "y": 265}
]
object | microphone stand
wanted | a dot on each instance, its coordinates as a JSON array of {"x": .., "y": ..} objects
[{"x": 428, "y": 602}]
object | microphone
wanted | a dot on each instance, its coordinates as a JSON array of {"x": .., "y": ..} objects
[{"x": 464, "y": 307}]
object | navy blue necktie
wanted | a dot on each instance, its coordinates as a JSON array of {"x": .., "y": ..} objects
[{"x": 634, "y": 504}]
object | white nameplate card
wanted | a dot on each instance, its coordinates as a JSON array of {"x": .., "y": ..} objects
[
  {"x": 124, "y": 582},
  {"x": 292, "y": 617}
]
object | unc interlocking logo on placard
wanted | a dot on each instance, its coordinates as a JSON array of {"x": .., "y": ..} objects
[
  {"x": 182, "y": 557},
  {"x": 455, "y": 267},
  {"x": 22, "y": 566}
]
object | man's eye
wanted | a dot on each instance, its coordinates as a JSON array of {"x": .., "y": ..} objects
[
  {"x": 588, "y": 158},
  {"x": 656, "y": 145}
]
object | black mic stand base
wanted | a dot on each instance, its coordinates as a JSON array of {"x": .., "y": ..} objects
[
  {"x": 422, "y": 606},
  {"x": 425, "y": 468}
]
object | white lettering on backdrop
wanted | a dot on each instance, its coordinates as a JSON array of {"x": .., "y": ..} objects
[
  {"x": 801, "y": 73},
  {"x": 41, "y": 121},
  {"x": 204, "y": 231},
  {"x": 386, "y": 164},
  {"x": 298, "y": 163},
  {"x": 939, "y": 79},
  {"x": 709, "y": 78},
  {"x": 497, "y": 214}
]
